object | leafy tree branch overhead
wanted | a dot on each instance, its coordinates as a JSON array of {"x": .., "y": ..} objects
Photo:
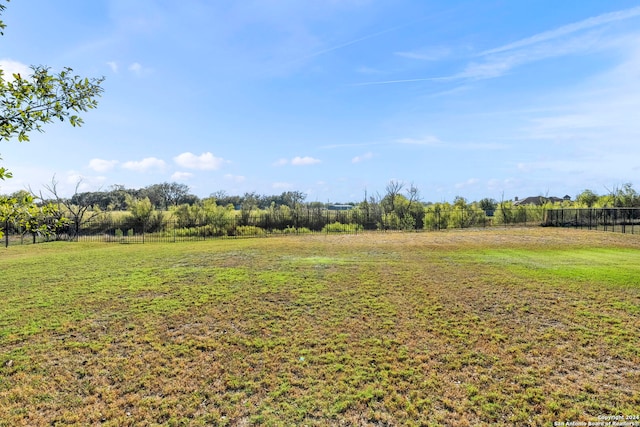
[{"x": 29, "y": 102}]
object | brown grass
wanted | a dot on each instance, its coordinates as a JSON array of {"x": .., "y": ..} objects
[{"x": 444, "y": 328}]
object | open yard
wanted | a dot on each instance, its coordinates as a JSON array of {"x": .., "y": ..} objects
[{"x": 505, "y": 326}]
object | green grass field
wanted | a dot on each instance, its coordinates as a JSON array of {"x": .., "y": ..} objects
[{"x": 516, "y": 327}]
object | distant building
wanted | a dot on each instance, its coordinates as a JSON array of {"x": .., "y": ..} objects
[
  {"x": 339, "y": 207},
  {"x": 540, "y": 200}
]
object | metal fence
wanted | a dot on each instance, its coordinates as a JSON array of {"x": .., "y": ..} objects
[
  {"x": 164, "y": 227},
  {"x": 621, "y": 220},
  {"x": 235, "y": 224}
]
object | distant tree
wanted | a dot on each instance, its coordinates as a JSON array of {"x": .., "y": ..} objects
[
  {"x": 140, "y": 209},
  {"x": 223, "y": 199},
  {"x": 316, "y": 205},
  {"x": 392, "y": 190},
  {"x": 79, "y": 208},
  {"x": 506, "y": 215},
  {"x": 43, "y": 219},
  {"x": 96, "y": 199},
  {"x": 167, "y": 194},
  {"x": 587, "y": 198},
  {"x": 10, "y": 209},
  {"x": 412, "y": 213},
  {"x": 293, "y": 198},
  {"x": 626, "y": 196},
  {"x": 250, "y": 201},
  {"x": 488, "y": 205},
  {"x": 371, "y": 212}
]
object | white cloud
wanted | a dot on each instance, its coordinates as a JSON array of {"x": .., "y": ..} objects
[
  {"x": 113, "y": 65},
  {"x": 11, "y": 67},
  {"x": 137, "y": 69},
  {"x": 427, "y": 140},
  {"x": 597, "y": 118},
  {"x": 100, "y": 165},
  {"x": 499, "y": 64},
  {"x": 74, "y": 177},
  {"x": 205, "y": 161},
  {"x": 467, "y": 183},
  {"x": 281, "y": 185},
  {"x": 84, "y": 183},
  {"x": 567, "y": 29},
  {"x": 304, "y": 161},
  {"x": 181, "y": 176},
  {"x": 235, "y": 178},
  {"x": 566, "y": 40},
  {"x": 362, "y": 158},
  {"x": 145, "y": 164},
  {"x": 297, "y": 161},
  {"x": 429, "y": 54}
]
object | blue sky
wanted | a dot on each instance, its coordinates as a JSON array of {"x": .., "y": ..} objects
[{"x": 337, "y": 97}]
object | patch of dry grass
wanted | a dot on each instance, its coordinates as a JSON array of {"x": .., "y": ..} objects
[{"x": 461, "y": 328}]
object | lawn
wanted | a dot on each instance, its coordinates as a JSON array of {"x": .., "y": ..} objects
[{"x": 505, "y": 326}]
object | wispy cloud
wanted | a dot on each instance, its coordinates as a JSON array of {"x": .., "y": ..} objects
[
  {"x": 297, "y": 161},
  {"x": 427, "y": 140},
  {"x": 138, "y": 69},
  {"x": 492, "y": 63},
  {"x": 304, "y": 161},
  {"x": 101, "y": 165},
  {"x": 238, "y": 179},
  {"x": 566, "y": 30},
  {"x": 349, "y": 43},
  {"x": 10, "y": 67},
  {"x": 205, "y": 161},
  {"x": 113, "y": 65},
  {"x": 74, "y": 178},
  {"x": 281, "y": 185},
  {"x": 368, "y": 70},
  {"x": 427, "y": 54},
  {"x": 181, "y": 176},
  {"x": 145, "y": 165},
  {"x": 499, "y": 64},
  {"x": 362, "y": 158},
  {"x": 468, "y": 183},
  {"x": 357, "y": 144},
  {"x": 388, "y": 82},
  {"x": 605, "y": 108}
]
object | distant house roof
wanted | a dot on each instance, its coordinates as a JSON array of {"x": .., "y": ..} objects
[{"x": 540, "y": 200}]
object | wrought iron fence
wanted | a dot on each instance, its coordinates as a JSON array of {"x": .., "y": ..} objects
[
  {"x": 622, "y": 220},
  {"x": 124, "y": 228}
]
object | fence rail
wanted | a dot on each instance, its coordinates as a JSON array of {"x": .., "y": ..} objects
[
  {"x": 622, "y": 220},
  {"x": 305, "y": 221}
]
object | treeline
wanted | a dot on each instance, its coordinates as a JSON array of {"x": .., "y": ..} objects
[
  {"x": 397, "y": 196},
  {"x": 168, "y": 195},
  {"x": 153, "y": 207}
]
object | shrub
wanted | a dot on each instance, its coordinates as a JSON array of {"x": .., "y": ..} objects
[
  {"x": 338, "y": 227},
  {"x": 249, "y": 230},
  {"x": 294, "y": 230}
]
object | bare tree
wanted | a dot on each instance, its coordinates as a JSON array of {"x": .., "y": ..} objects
[
  {"x": 393, "y": 189},
  {"x": 79, "y": 212},
  {"x": 413, "y": 194}
]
